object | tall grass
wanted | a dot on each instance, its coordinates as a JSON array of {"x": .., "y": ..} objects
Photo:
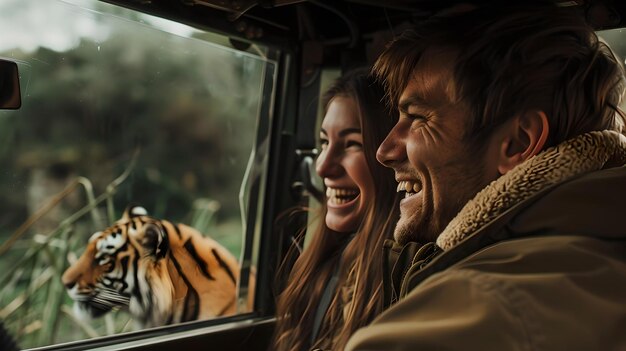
[{"x": 33, "y": 303}]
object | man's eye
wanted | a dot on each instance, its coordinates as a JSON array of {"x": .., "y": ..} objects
[
  {"x": 323, "y": 143},
  {"x": 416, "y": 117}
]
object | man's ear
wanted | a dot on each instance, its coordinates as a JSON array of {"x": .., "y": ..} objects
[{"x": 525, "y": 136}]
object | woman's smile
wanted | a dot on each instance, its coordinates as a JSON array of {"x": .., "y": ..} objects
[{"x": 341, "y": 197}]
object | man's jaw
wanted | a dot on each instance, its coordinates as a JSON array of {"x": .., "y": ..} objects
[
  {"x": 409, "y": 226},
  {"x": 407, "y": 229}
]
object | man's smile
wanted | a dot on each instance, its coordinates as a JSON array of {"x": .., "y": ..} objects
[{"x": 409, "y": 187}]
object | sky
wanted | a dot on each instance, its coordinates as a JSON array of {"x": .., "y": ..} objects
[{"x": 60, "y": 24}]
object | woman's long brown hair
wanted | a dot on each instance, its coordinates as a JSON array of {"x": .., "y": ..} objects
[{"x": 360, "y": 259}]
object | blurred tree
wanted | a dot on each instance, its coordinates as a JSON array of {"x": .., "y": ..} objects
[{"x": 189, "y": 109}]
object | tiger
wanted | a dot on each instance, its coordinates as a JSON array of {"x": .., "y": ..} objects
[{"x": 160, "y": 272}]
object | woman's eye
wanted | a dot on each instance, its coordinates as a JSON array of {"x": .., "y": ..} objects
[
  {"x": 323, "y": 143},
  {"x": 353, "y": 144}
]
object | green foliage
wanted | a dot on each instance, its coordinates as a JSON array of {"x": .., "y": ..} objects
[{"x": 191, "y": 115}]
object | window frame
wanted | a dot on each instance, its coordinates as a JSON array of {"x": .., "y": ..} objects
[{"x": 274, "y": 126}]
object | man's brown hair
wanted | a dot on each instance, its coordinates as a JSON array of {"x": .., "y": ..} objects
[{"x": 506, "y": 60}]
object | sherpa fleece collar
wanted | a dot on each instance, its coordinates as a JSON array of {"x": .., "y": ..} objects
[{"x": 582, "y": 154}]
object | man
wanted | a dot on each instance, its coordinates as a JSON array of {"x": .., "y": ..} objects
[{"x": 510, "y": 153}]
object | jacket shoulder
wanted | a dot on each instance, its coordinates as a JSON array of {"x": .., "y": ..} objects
[{"x": 525, "y": 294}]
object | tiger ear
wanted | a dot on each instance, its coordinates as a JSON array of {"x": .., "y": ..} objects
[
  {"x": 134, "y": 210},
  {"x": 154, "y": 241}
]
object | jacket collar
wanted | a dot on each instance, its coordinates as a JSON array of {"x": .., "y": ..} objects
[{"x": 583, "y": 154}]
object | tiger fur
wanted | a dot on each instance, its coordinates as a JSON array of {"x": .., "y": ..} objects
[{"x": 161, "y": 272}]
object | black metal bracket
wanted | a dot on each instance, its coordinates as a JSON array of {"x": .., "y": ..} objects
[{"x": 305, "y": 186}]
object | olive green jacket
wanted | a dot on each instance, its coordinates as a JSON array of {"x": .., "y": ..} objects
[{"x": 536, "y": 261}]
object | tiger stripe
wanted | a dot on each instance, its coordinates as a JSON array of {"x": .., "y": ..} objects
[
  {"x": 201, "y": 263},
  {"x": 224, "y": 266},
  {"x": 180, "y": 235},
  {"x": 192, "y": 297}
]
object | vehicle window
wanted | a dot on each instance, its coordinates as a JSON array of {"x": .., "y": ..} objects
[
  {"x": 121, "y": 108},
  {"x": 616, "y": 39}
]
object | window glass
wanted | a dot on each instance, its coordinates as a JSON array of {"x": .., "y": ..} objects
[
  {"x": 616, "y": 39},
  {"x": 119, "y": 108}
]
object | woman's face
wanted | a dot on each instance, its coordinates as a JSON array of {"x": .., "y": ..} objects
[{"x": 342, "y": 165}]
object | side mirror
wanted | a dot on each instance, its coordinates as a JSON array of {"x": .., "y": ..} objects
[{"x": 10, "y": 98}]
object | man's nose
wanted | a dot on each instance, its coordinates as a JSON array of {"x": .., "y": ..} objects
[{"x": 393, "y": 149}]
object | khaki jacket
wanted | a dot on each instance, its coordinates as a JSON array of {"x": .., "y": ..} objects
[{"x": 536, "y": 261}]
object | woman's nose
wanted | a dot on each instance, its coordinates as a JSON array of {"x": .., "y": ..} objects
[
  {"x": 393, "y": 149},
  {"x": 328, "y": 164}
]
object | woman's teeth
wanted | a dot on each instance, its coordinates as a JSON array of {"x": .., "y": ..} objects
[{"x": 340, "y": 196}]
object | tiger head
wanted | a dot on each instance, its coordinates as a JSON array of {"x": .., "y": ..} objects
[{"x": 120, "y": 267}]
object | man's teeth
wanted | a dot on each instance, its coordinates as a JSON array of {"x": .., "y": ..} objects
[
  {"x": 409, "y": 186},
  {"x": 341, "y": 196}
]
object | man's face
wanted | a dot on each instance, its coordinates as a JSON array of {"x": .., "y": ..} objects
[{"x": 434, "y": 166}]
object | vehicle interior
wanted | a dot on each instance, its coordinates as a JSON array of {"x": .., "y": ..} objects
[{"x": 285, "y": 52}]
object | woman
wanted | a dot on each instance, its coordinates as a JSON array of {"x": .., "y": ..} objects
[{"x": 335, "y": 286}]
